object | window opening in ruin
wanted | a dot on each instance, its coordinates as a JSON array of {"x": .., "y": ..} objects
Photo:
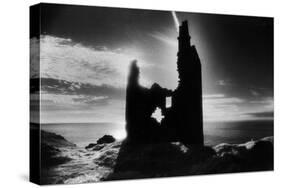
[
  {"x": 168, "y": 102},
  {"x": 157, "y": 114}
]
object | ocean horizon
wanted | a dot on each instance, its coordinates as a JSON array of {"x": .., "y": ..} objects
[{"x": 215, "y": 133}]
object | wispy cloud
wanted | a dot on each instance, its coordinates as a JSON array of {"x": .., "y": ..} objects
[
  {"x": 80, "y": 83},
  {"x": 254, "y": 93},
  {"x": 164, "y": 38},
  {"x": 63, "y": 59},
  {"x": 54, "y": 86},
  {"x": 213, "y": 96},
  {"x": 218, "y": 107},
  {"x": 62, "y": 99},
  {"x": 262, "y": 114},
  {"x": 62, "y": 108}
]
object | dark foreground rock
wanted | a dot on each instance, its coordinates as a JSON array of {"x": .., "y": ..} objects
[
  {"x": 91, "y": 145},
  {"x": 55, "y": 140},
  {"x": 51, "y": 156},
  {"x": 106, "y": 139},
  {"x": 122, "y": 160},
  {"x": 51, "y": 145},
  {"x": 175, "y": 159}
]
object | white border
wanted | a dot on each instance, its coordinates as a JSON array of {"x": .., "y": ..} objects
[{"x": 14, "y": 43}]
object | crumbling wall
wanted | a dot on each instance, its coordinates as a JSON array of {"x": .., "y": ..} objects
[{"x": 141, "y": 102}]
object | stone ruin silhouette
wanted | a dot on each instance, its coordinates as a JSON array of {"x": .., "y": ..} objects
[{"x": 183, "y": 120}]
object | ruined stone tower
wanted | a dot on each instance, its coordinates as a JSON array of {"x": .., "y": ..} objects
[
  {"x": 183, "y": 120},
  {"x": 187, "y": 98}
]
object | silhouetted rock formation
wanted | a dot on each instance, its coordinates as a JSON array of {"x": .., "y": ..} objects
[
  {"x": 55, "y": 140},
  {"x": 51, "y": 145},
  {"x": 91, "y": 145},
  {"x": 106, "y": 139},
  {"x": 176, "y": 159},
  {"x": 183, "y": 120}
]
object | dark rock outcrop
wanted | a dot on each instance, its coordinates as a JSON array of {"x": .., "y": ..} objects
[
  {"x": 176, "y": 159},
  {"x": 101, "y": 143},
  {"x": 91, "y": 145},
  {"x": 55, "y": 140},
  {"x": 50, "y": 156},
  {"x": 51, "y": 145},
  {"x": 106, "y": 139}
]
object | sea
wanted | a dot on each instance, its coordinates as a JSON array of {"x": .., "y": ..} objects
[{"x": 215, "y": 133}]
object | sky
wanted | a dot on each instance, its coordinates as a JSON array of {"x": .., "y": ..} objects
[{"x": 85, "y": 53}]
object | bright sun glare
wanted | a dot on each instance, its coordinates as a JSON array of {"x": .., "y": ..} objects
[{"x": 120, "y": 134}]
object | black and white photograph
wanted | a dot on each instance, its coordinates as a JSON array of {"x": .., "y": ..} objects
[{"x": 122, "y": 93}]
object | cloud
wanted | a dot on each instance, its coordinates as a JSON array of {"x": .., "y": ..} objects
[
  {"x": 71, "y": 102},
  {"x": 254, "y": 93},
  {"x": 264, "y": 103},
  {"x": 84, "y": 83},
  {"x": 220, "y": 107},
  {"x": 63, "y": 99},
  {"x": 54, "y": 86},
  {"x": 224, "y": 100},
  {"x": 269, "y": 114},
  {"x": 92, "y": 100},
  {"x": 79, "y": 83},
  {"x": 64, "y": 59},
  {"x": 213, "y": 96},
  {"x": 63, "y": 102},
  {"x": 61, "y": 108},
  {"x": 164, "y": 38}
]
